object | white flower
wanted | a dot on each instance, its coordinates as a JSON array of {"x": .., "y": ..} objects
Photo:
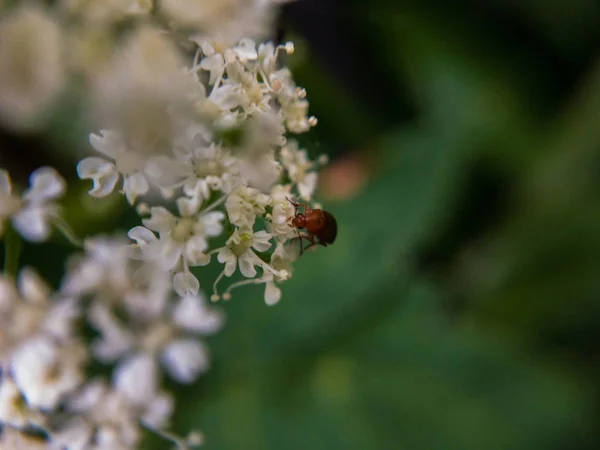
[
  {"x": 26, "y": 311},
  {"x": 185, "y": 359},
  {"x": 108, "y": 273},
  {"x": 104, "y": 174},
  {"x": 32, "y": 221},
  {"x": 102, "y": 418},
  {"x": 32, "y": 214},
  {"x": 46, "y": 372},
  {"x": 167, "y": 338},
  {"x": 136, "y": 377},
  {"x": 238, "y": 250},
  {"x": 32, "y": 70},
  {"x": 102, "y": 13},
  {"x": 192, "y": 314},
  {"x": 115, "y": 340},
  {"x": 200, "y": 170},
  {"x": 244, "y": 204},
  {"x": 282, "y": 211},
  {"x": 184, "y": 238},
  {"x": 104, "y": 265},
  {"x": 225, "y": 21},
  {"x": 281, "y": 261},
  {"x": 297, "y": 165}
]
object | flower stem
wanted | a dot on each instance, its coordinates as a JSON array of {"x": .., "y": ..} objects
[
  {"x": 66, "y": 231},
  {"x": 12, "y": 250}
]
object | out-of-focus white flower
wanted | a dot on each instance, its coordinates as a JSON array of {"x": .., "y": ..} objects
[
  {"x": 107, "y": 273},
  {"x": 105, "y": 174},
  {"x": 145, "y": 99},
  {"x": 102, "y": 418},
  {"x": 105, "y": 12},
  {"x": 12, "y": 439},
  {"x": 33, "y": 219},
  {"x": 27, "y": 311},
  {"x": 32, "y": 70},
  {"x": 142, "y": 87},
  {"x": 166, "y": 338},
  {"x": 45, "y": 372},
  {"x": 224, "y": 21},
  {"x": 33, "y": 213}
]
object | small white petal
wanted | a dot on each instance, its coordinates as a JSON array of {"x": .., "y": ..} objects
[
  {"x": 109, "y": 144},
  {"x": 31, "y": 224},
  {"x": 191, "y": 314},
  {"x": 246, "y": 50},
  {"x": 308, "y": 185},
  {"x": 142, "y": 235},
  {"x": 212, "y": 223},
  {"x": 272, "y": 293},
  {"x": 103, "y": 174},
  {"x": 194, "y": 250},
  {"x": 45, "y": 184},
  {"x": 159, "y": 411},
  {"x": 226, "y": 256},
  {"x": 260, "y": 241},
  {"x": 136, "y": 378},
  {"x": 187, "y": 207},
  {"x": 184, "y": 283},
  {"x": 160, "y": 219},
  {"x": 135, "y": 185},
  {"x": 213, "y": 64},
  {"x": 185, "y": 360},
  {"x": 247, "y": 261},
  {"x": 170, "y": 254}
]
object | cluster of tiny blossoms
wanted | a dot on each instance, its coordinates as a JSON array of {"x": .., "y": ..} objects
[
  {"x": 215, "y": 163},
  {"x": 140, "y": 325},
  {"x": 202, "y": 148}
]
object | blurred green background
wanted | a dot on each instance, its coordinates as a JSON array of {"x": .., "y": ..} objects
[{"x": 459, "y": 307}]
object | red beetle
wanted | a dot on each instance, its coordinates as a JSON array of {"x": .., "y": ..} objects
[{"x": 316, "y": 222}]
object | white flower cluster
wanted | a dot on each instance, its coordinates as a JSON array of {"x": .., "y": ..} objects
[
  {"x": 217, "y": 150},
  {"x": 201, "y": 150},
  {"x": 140, "y": 324}
]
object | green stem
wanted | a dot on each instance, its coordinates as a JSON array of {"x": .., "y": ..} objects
[
  {"x": 66, "y": 231},
  {"x": 12, "y": 250}
]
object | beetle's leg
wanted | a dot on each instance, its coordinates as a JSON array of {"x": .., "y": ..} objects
[
  {"x": 308, "y": 237},
  {"x": 314, "y": 243},
  {"x": 300, "y": 239}
]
